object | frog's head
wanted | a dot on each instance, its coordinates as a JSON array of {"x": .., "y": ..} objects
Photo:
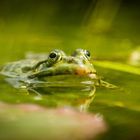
[{"x": 58, "y": 63}]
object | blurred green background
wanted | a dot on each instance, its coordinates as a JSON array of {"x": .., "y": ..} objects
[{"x": 108, "y": 28}]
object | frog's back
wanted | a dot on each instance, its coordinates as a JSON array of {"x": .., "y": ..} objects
[
  {"x": 16, "y": 68},
  {"x": 22, "y": 67}
]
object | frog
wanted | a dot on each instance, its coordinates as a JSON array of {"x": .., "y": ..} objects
[{"x": 36, "y": 68}]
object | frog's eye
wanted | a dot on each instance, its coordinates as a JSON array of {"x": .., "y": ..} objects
[
  {"x": 87, "y": 53},
  {"x": 53, "y": 55}
]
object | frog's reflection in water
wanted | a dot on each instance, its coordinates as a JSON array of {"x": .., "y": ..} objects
[
  {"x": 87, "y": 101},
  {"x": 63, "y": 94}
]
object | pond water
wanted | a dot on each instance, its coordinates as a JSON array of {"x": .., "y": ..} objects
[
  {"x": 35, "y": 29},
  {"x": 120, "y": 107}
]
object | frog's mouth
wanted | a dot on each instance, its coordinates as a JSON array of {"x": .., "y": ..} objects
[
  {"x": 86, "y": 72},
  {"x": 69, "y": 69}
]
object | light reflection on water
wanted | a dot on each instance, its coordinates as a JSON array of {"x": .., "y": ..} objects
[{"x": 55, "y": 92}]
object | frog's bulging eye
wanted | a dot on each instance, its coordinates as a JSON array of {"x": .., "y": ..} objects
[
  {"x": 81, "y": 53},
  {"x": 52, "y": 55},
  {"x": 87, "y": 53}
]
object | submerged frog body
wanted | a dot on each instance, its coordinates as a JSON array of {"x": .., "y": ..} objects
[{"x": 38, "y": 67}]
